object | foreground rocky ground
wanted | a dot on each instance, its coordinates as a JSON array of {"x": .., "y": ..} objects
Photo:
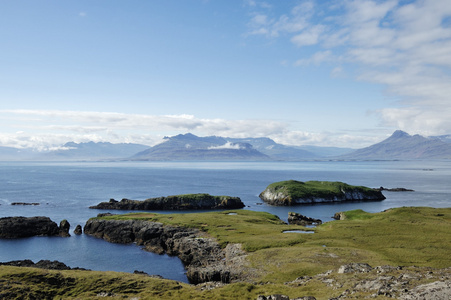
[
  {"x": 351, "y": 281},
  {"x": 401, "y": 253}
]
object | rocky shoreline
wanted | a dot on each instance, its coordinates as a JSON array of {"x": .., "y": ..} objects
[
  {"x": 202, "y": 256},
  {"x": 22, "y": 227},
  {"x": 42, "y": 264}
]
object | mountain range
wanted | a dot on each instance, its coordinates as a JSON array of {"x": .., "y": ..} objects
[
  {"x": 189, "y": 147},
  {"x": 400, "y": 145}
]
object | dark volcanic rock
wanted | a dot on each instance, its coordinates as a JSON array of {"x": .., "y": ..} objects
[
  {"x": 64, "y": 228},
  {"x": 296, "y": 218},
  {"x": 394, "y": 189},
  {"x": 78, "y": 230},
  {"x": 178, "y": 202},
  {"x": 42, "y": 264},
  {"x": 20, "y": 227},
  {"x": 203, "y": 257}
]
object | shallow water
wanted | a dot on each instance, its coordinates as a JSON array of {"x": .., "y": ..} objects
[{"x": 66, "y": 190}]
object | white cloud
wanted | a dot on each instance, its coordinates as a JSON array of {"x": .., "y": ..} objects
[
  {"x": 43, "y": 129},
  {"x": 308, "y": 36},
  {"x": 294, "y": 22},
  {"x": 227, "y": 145},
  {"x": 403, "y": 45},
  {"x": 316, "y": 59}
]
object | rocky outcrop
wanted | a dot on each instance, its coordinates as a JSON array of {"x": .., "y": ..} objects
[
  {"x": 78, "y": 230},
  {"x": 296, "y": 218},
  {"x": 177, "y": 202},
  {"x": 292, "y": 192},
  {"x": 42, "y": 264},
  {"x": 64, "y": 228},
  {"x": 25, "y": 203},
  {"x": 283, "y": 297},
  {"x": 355, "y": 268},
  {"x": 21, "y": 227},
  {"x": 339, "y": 216},
  {"x": 202, "y": 256},
  {"x": 364, "y": 281},
  {"x": 433, "y": 290},
  {"x": 394, "y": 189}
]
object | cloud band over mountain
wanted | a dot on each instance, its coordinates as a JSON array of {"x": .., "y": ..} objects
[{"x": 43, "y": 129}]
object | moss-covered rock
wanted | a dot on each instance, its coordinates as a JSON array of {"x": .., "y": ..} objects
[{"x": 292, "y": 192}]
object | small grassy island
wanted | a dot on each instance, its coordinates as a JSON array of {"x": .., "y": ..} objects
[
  {"x": 293, "y": 192},
  {"x": 175, "y": 202},
  {"x": 274, "y": 262}
]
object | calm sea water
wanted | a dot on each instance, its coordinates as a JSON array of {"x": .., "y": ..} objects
[{"x": 66, "y": 190}]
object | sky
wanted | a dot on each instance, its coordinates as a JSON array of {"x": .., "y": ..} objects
[{"x": 327, "y": 73}]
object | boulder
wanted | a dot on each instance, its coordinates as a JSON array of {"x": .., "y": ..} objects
[
  {"x": 296, "y": 218},
  {"x": 355, "y": 268},
  {"x": 21, "y": 227},
  {"x": 339, "y": 216},
  {"x": 283, "y": 297},
  {"x": 78, "y": 230},
  {"x": 64, "y": 228}
]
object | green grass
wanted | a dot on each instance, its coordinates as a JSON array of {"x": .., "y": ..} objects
[
  {"x": 400, "y": 236},
  {"x": 255, "y": 230},
  {"x": 405, "y": 236},
  {"x": 294, "y": 189}
]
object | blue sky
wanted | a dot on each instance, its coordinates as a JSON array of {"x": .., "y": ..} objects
[{"x": 330, "y": 73}]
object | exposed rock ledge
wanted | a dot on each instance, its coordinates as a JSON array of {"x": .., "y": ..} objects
[
  {"x": 297, "y": 218},
  {"x": 407, "y": 283},
  {"x": 202, "y": 256},
  {"x": 21, "y": 227},
  {"x": 42, "y": 264},
  {"x": 398, "y": 189},
  {"x": 177, "y": 202}
]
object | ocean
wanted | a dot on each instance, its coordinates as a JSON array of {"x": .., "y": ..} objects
[{"x": 65, "y": 190}]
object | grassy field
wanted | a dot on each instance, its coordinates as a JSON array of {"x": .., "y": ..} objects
[{"x": 399, "y": 237}]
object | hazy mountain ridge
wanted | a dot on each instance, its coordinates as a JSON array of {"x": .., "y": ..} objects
[
  {"x": 11, "y": 153},
  {"x": 191, "y": 147},
  {"x": 100, "y": 150},
  {"x": 401, "y": 145},
  {"x": 276, "y": 151},
  {"x": 73, "y": 151}
]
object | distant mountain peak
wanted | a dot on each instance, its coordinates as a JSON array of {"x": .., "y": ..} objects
[
  {"x": 191, "y": 147},
  {"x": 401, "y": 145},
  {"x": 185, "y": 136},
  {"x": 400, "y": 134}
]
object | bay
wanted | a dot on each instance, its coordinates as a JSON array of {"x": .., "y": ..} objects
[{"x": 65, "y": 190}]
